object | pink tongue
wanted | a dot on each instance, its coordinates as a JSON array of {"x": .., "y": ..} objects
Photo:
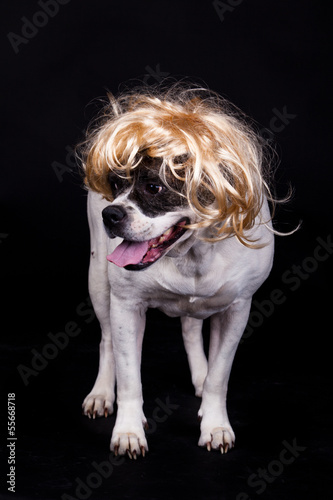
[{"x": 128, "y": 252}]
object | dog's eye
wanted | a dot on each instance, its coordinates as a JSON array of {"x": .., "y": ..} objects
[
  {"x": 114, "y": 186},
  {"x": 153, "y": 188}
]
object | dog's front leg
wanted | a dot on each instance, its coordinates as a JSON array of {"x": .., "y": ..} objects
[
  {"x": 101, "y": 398},
  {"x": 128, "y": 325},
  {"x": 226, "y": 331}
]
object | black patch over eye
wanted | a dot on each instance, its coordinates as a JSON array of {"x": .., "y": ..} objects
[
  {"x": 151, "y": 195},
  {"x": 153, "y": 189},
  {"x": 117, "y": 184}
]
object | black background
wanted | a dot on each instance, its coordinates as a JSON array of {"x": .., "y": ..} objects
[{"x": 265, "y": 57}]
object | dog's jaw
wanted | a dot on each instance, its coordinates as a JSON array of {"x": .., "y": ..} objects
[{"x": 135, "y": 256}]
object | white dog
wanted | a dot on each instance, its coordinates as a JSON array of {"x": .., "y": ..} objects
[{"x": 179, "y": 221}]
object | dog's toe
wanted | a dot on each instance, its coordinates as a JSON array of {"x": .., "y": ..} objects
[
  {"x": 97, "y": 405},
  {"x": 220, "y": 438},
  {"x": 131, "y": 443}
]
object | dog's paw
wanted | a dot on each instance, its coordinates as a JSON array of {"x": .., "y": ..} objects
[
  {"x": 219, "y": 438},
  {"x": 130, "y": 443},
  {"x": 98, "y": 405}
]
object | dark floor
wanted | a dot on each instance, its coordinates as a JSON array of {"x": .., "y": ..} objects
[{"x": 58, "y": 450}]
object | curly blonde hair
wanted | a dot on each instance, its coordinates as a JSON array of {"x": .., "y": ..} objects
[{"x": 200, "y": 139}]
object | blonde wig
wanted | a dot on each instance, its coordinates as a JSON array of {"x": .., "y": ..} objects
[{"x": 203, "y": 144}]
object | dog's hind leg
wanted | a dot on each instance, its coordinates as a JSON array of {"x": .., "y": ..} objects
[
  {"x": 100, "y": 400},
  {"x": 226, "y": 331},
  {"x": 193, "y": 342}
]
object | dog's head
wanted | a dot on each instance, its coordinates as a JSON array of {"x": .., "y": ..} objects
[
  {"x": 174, "y": 165},
  {"x": 150, "y": 215}
]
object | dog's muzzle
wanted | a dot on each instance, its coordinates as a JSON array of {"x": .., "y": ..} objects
[{"x": 137, "y": 255}]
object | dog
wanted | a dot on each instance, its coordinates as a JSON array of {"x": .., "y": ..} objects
[{"x": 179, "y": 220}]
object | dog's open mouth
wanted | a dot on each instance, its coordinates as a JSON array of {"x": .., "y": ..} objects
[{"x": 136, "y": 255}]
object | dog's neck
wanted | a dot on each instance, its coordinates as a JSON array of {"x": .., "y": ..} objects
[{"x": 193, "y": 256}]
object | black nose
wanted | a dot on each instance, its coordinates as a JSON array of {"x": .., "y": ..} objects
[{"x": 113, "y": 214}]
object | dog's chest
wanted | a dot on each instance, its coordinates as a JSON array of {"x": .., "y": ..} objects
[
  {"x": 198, "y": 299},
  {"x": 196, "y": 307}
]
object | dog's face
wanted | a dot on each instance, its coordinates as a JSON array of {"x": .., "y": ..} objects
[{"x": 149, "y": 215}]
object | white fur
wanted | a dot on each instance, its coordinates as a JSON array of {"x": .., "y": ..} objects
[{"x": 194, "y": 280}]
